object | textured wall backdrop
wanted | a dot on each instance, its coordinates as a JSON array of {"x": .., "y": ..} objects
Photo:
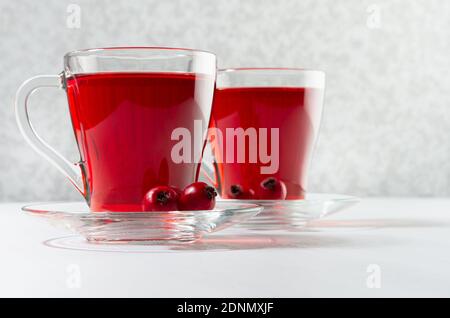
[{"x": 387, "y": 105}]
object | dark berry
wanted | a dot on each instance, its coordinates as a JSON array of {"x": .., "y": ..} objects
[
  {"x": 272, "y": 189},
  {"x": 161, "y": 198},
  {"x": 197, "y": 196},
  {"x": 241, "y": 193}
]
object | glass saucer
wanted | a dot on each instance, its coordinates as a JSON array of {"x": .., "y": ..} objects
[
  {"x": 293, "y": 215},
  {"x": 143, "y": 227}
]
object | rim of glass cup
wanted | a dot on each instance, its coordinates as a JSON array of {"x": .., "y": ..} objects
[
  {"x": 269, "y": 69},
  {"x": 260, "y": 76},
  {"x": 146, "y": 58},
  {"x": 89, "y": 51}
]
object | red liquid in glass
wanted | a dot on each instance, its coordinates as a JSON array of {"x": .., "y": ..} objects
[
  {"x": 123, "y": 124},
  {"x": 295, "y": 112}
]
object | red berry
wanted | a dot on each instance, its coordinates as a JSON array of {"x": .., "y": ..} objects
[
  {"x": 241, "y": 193},
  {"x": 272, "y": 189},
  {"x": 197, "y": 196},
  {"x": 161, "y": 198}
]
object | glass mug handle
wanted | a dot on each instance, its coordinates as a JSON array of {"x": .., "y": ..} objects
[{"x": 70, "y": 170}]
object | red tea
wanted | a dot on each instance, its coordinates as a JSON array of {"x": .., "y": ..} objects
[
  {"x": 123, "y": 124},
  {"x": 295, "y": 111}
]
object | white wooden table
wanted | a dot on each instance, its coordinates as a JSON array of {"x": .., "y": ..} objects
[{"x": 378, "y": 248}]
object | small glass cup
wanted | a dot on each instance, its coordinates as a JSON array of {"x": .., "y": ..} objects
[{"x": 263, "y": 129}]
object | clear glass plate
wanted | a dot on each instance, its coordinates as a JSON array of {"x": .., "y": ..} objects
[
  {"x": 292, "y": 215},
  {"x": 145, "y": 227}
]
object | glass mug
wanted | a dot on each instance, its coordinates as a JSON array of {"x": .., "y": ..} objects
[
  {"x": 278, "y": 112},
  {"x": 124, "y": 104}
]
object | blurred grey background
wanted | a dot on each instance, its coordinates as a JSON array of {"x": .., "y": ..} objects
[{"x": 387, "y": 104}]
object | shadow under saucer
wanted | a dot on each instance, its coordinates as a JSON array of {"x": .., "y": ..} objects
[
  {"x": 351, "y": 233},
  {"x": 322, "y": 225},
  {"x": 220, "y": 243}
]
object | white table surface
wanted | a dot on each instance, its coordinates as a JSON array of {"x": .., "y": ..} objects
[{"x": 407, "y": 240}]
